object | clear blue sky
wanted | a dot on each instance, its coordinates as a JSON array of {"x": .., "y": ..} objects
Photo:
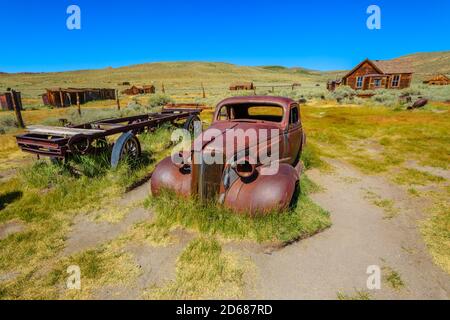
[{"x": 322, "y": 34}]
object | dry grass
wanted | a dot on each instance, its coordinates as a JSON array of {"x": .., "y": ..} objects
[
  {"x": 386, "y": 204},
  {"x": 436, "y": 229}
]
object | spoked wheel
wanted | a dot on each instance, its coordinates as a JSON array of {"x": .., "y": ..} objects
[
  {"x": 190, "y": 124},
  {"x": 80, "y": 144},
  {"x": 127, "y": 147}
]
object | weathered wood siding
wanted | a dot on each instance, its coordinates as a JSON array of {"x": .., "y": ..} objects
[
  {"x": 369, "y": 81},
  {"x": 364, "y": 69},
  {"x": 405, "y": 80}
]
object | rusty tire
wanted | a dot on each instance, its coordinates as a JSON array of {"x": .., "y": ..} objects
[
  {"x": 189, "y": 124},
  {"x": 126, "y": 147},
  {"x": 80, "y": 144}
]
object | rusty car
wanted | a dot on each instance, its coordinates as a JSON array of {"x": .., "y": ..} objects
[{"x": 238, "y": 181}]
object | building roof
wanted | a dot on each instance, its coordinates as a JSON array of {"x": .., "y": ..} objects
[
  {"x": 393, "y": 66},
  {"x": 385, "y": 66},
  {"x": 242, "y": 83},
  {"x": 376, "y": 75},
  {"x": 438, "y": 77}
]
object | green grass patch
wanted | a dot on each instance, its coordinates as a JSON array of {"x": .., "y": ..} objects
[
  {"x": 408, "y": 176},
  {"x": 105, "y": 265},
  {"x": 311, "y": 157},
  {"x": 203, "y": 271},
  {"x": 46, "y": 197},
  {"x": 359, "y": 295},
  {"x": 304, "y": 220},
  {"x": 387, "y": 205},
  {"x": 392, "y": 278},
  {"x": 436, "y": 230}
]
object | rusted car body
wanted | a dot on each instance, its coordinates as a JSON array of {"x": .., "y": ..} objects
[{"x": 237, "y": 182}]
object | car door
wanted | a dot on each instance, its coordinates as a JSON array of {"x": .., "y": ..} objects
[{"x": 295, "y": 134}]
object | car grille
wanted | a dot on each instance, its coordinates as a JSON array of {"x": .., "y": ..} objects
[{"x": 208, "y": 177}]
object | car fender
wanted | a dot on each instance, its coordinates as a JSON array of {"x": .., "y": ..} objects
[
  {"x": 169, "y": 176},
  {"x": 264, "y": 193}
]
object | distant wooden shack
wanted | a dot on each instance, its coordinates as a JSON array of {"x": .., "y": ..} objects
[
  {"x": 132, "y": 91},
  {"x": 378, "y": 74},
  {"x": 149, "y": 88},
  {"x": 242, "y": 86},
  {"x": 135, "y": 90},
  {"x": 7, "y": 103},
  {"x": 438, "y": 80},
  {"x": 333, "y": 84},
  {"x": 60, "y": 97}
]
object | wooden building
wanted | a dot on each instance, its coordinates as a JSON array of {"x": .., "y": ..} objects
[
  {"x": 379, "y": 74},
  {"x": 134, "y": 90},
  {"x": 333, "y": 84},
  {"x": 7, "y": 103},
  {"x": 242, "y": 86},
  {"x": 438, "y": 80},
  {"x": 149, "y": 88},
  {"x": 60, "y": 98}
]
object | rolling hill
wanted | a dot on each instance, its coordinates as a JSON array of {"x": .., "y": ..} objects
[
  {"x": 192, "y": 74},
  {"x": 429, "y": 63},
  {"x": 172, "y": 74}
]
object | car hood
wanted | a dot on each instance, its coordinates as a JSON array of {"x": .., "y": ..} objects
[{"x": 217, "y": 136}]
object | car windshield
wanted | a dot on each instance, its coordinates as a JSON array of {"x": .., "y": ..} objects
[{"x": 250, "y": 112}]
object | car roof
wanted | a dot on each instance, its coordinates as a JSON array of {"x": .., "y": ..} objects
[{"x": 283, "y": 101}]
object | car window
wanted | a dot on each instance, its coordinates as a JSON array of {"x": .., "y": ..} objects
[
  {"x": 294, "y": 116},
  {"x": 251, "y": 112},
  {"x": 223, "y": 114},
  {"x": 265, "y": 113}
]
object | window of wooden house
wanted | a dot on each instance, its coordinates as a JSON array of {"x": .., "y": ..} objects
[
  {"x": 396, "y": 80},
  {"x": 377, "y": 82},
  {"x": 359, "y": 82}
]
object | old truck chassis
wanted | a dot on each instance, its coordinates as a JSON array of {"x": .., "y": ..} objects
[{"x": 60, "y": 142}]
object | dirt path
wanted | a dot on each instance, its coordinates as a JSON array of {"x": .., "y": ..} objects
[
  {"x": 337, "y": 259},
  {"x": 87, "y": 233},
  {"x": 316, "y": 268}
]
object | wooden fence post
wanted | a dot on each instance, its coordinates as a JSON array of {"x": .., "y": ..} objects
[
  {"x": 61, "y": 97},
  {"x": 78, "y": 104},
  {"x": 117, "y": 99},
  {"x": 203, "y": 91},
  {"x": 163, "y": 89},
  {"x": 17, "y": 111}
]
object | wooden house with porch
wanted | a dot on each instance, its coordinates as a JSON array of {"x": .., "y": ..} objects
[{"x": 379, "y": 74}]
